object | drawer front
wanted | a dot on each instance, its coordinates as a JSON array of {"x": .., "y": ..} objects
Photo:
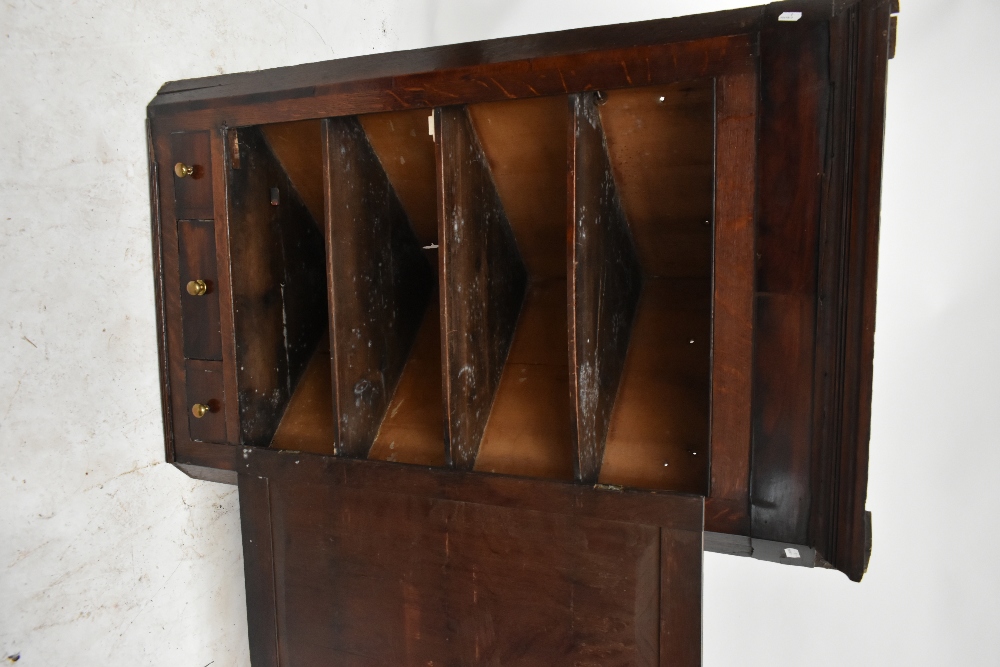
[
  {"x": 199, "y": 289},
  {"x": 205, "y": 397},
  {"x": 191, "y": 163}
]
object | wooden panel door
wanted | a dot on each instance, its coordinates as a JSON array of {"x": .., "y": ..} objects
[{"x": 364, "y": 563}]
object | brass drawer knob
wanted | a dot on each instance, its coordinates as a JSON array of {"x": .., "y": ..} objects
[
  {"x": 197, "y": 287},
  {"x": 199, "y": 410},
  {"x": 181, "y": 170}
]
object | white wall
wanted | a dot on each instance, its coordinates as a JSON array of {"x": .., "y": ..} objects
[{"x": 110, "y": 557}]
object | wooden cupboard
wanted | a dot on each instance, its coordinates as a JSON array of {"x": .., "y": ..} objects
[{"x": 495, "y": 338}]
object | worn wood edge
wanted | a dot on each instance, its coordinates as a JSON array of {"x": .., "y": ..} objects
[
  {"x": 221, "y": 164},
  {"x": 664, "y": 508},
  {"x": 728, "y": 544},
  {"x": 303, "y": 79},
  {"x": 324, "y": 147},
  {"x": 163, "y": 364},
  {"x": 258, "y": 567},
  {"x": 351, "y": 128},
  {"x": 839, "y": 525},
  {"x": 207, "y": 474},
  {"x": 793, "y": 106},
  {"x": 206, "y": 454},
  {"x": 174, "y": 391},
  {"x": 681, "y": 583},
  {"x": 850, "y": 535},
  {"x": 726, "y": 507},
  {"x": 517, "y": 269},
  {"x": 587, "y": 467}
]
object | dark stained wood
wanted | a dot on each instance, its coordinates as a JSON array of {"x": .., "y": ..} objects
[
  {"x": 406, "y": 150},
  {"x": 380, "y": 284},
  {"x": 482, "y": 284},
  {"x": 204, "y": 386},
  {"x": 205, "y": 454},
  {"x": 297, "y": 148},
  {"x": 206, "y": 474},
  {"x": 279, "y": 287},
  {"x": 442, "y": 85},
  {"x": 532, "y": 572},
  {"x": 605, "y": 280},
  {"x": 782, "y": 351},
  {"x": 794, "y": 90},
  {"x": 860, "y": 49},
  {"x": 196, "y": 257},
  {"x": 454, "y": 56},
  {"x": 727, "y": 509},
  {"x": 192, "y": 194},
  {"x": 259, "y": 569},
  {"x": 162, "y": 347},
  {"x": 681, "y": 557},
  {"x": 225, "y": 144},
  {"x": 178, "y": 431}
]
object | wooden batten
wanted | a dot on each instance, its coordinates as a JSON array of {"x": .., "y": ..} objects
[
  {"x": 380, "y": 284},
  {"x": 278, "y": 283},
  {"x": 605, "y": 283},
  {"x": 482, "y": 282}
]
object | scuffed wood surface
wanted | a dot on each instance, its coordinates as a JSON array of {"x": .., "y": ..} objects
[
  {"x": 380, "y": 285},
  {"x": 279, "y": 287},
  {"x": 482, "y": 284},
  {"x": 606, "y": 280}
]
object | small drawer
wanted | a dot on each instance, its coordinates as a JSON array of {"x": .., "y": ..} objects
[
  {"x": 205, "y": 401},
  {"x": 191, "y": 166},
  {"x": 199, "y": 288}
]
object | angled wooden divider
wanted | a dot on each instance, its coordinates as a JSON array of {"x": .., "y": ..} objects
[
  {"x": 380, "y": 284},
  {"x": 605, "y": 282},
  {"x": 661, "y": 144},
  {"x": 279, "y": 286},
  {"x": 482, "y": 284}
]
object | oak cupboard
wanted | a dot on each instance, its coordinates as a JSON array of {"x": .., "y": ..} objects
[{"x": 496, "y": 338}]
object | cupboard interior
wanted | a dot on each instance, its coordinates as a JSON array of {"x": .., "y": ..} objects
[{"x": 382, "y": 192}]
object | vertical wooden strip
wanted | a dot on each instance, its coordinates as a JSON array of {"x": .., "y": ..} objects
[
  {"x": 681, "y": 562},
  {"x": 728, "y": 507},
  {"x": 225, "y": 152},
  {"x": 854, "y": 523},
  {"x": 156, "y": 232},
  {"x": 845, "y": 323},
  {"x": 794, "y": 85},
  {"x": 258, "y": 567},
  {"x": 171, "y": 298},
  {"x": 605, "y": 280},
  {"x": 482, "y": 284},
  {"x": 380, "y": 284}
]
